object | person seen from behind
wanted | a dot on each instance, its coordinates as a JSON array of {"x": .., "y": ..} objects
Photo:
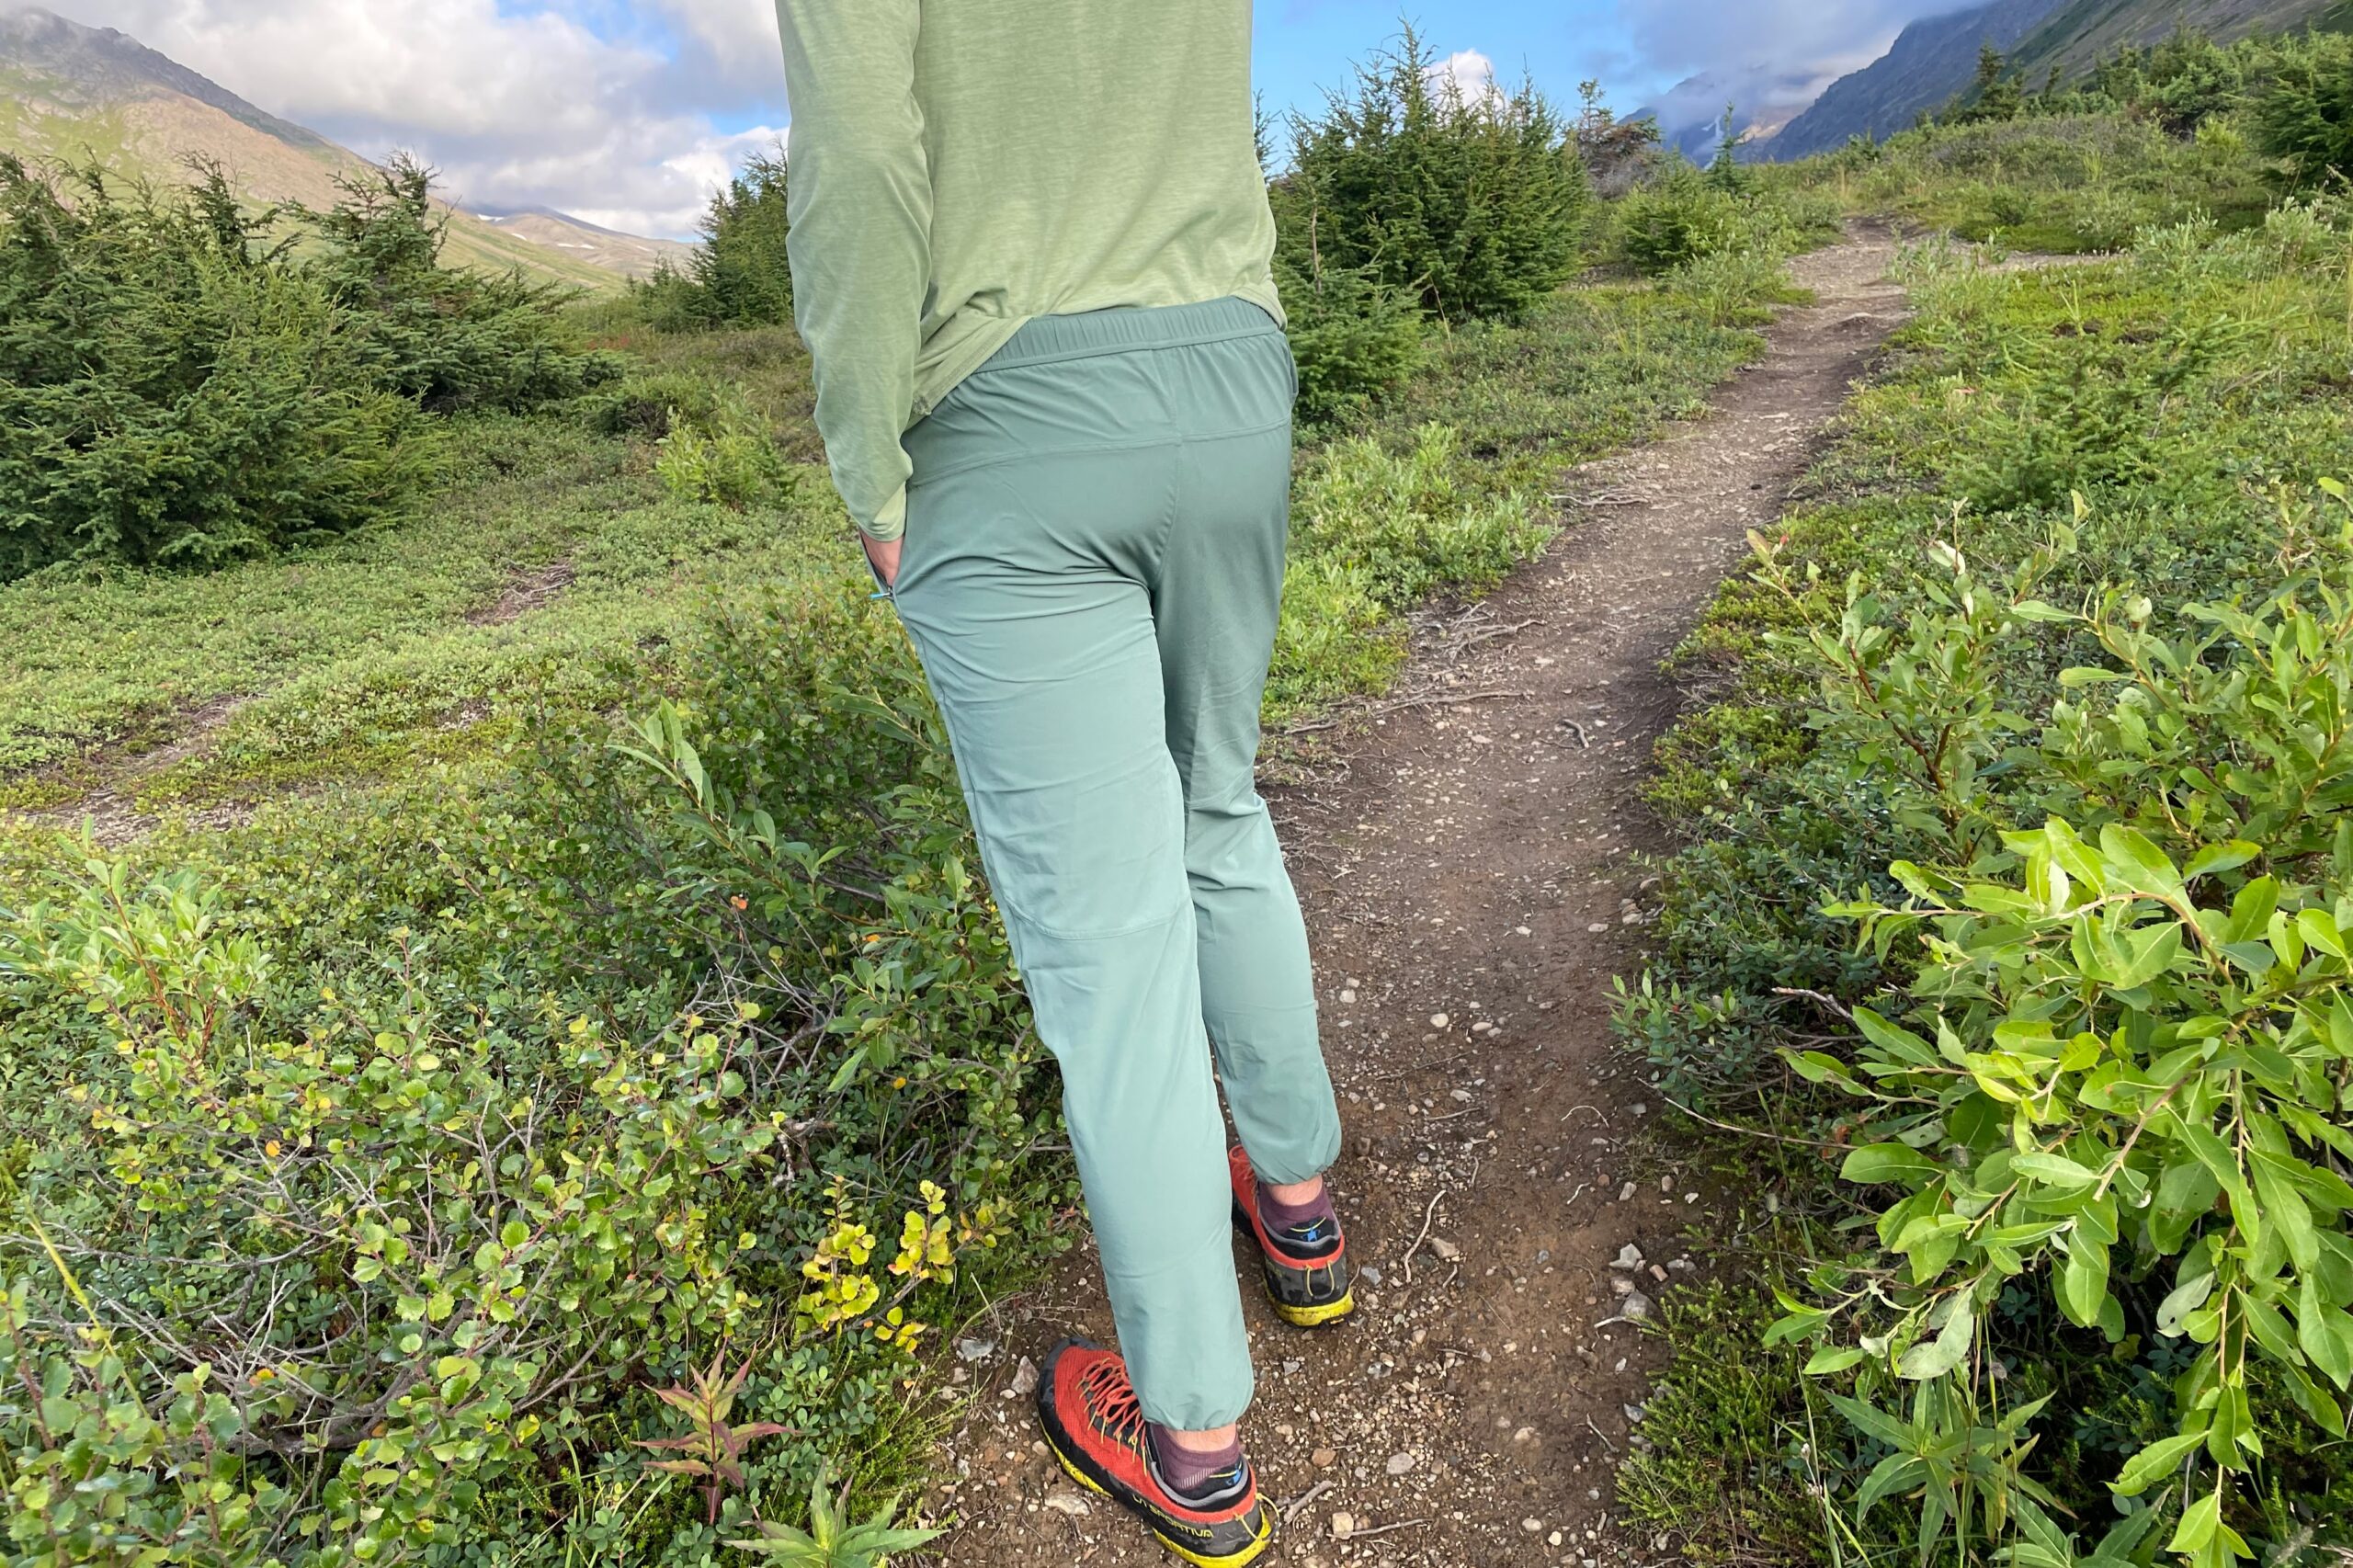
[{"x": 1032, "y": 258}]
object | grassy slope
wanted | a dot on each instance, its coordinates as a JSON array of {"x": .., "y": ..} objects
[
  {"x": 2082, "y": 34},
  {"x": 628, "y": 254},
  {"x": 2062, "y": 186}
]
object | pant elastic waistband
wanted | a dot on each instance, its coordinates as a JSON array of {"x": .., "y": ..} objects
[{"x": 1128, "y": 328}]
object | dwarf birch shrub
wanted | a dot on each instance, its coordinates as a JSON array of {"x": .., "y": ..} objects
[{"x": 326, "y": 1245}]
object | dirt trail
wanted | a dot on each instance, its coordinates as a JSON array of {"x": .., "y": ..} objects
[
  {"x": 1469, "y": 867},
  {"x": 109, "y": 807}
]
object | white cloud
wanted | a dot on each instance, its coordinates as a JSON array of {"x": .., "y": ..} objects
[
  {"x": 1471, "y": 73},
  {"x": 737, "y": 37},
  {"x": 598, "y": 107},
  {"x": 1771, "y": 57},
  {"x": 1691, "y": 35}
]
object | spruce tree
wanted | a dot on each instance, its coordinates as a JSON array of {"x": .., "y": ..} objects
[{"x": 1470, "y": 199}]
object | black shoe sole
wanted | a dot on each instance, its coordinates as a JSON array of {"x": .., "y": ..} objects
[{"x": 1292, "y": 1287}]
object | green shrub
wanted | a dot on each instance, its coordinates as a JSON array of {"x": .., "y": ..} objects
[
  {"x": 1411, "y": 521},
  {"x": 1881, "y": 883},
  {"x": 654, "y": 403},
  {"x": 1354, "y": 338},
  {"x": 1335, "y": 641},
  {"x": 176, "y": 391},
  {"x": 170, "y": 394},
  {"x": 2086, "y": 417},
  {"x": 742, "y": 274},
  {"x": 2134, "y": 1090},
  {"x": 410, "y": 1222},
  {"x": 1673, "y": 222},
  {"x": 1473, "y": 202},
  {"x": 2305, "y": 116},
  {"x": 447, "y": 339},
  {"x": 723, "y": 457},
  {"x": 446, "y": 1238},
  {"x": 1688, "y": 215}
]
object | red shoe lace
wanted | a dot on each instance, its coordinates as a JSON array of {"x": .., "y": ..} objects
[{"x": 1112, "y": 1403}]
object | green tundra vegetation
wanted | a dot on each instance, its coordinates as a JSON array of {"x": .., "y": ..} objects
[
  {"x": 532, "y": 1073},
  {"x": 2151, "y": 136},
  {"x": 2011, "y": 920},
  {"x": 546, "y": 1082}
]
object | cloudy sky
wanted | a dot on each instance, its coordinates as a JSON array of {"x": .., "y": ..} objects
[{"x": 628, "y": 112}]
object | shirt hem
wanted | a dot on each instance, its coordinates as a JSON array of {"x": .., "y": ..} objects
[{"x": 969, "y": 354}]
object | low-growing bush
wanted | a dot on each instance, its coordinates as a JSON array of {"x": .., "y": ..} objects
[
  {"x": 2128, "y": 1071},
  {"x": 323, "y": 1242},
  {"x": 1688, "y": 215},
  {"x": 2021, "y": 894},
  {"x": 722, "y": 455},
  {"x": 356, "y": 1232},
  {"x": 1410, "y": 521},
  {"x": 652, "y": 404}
]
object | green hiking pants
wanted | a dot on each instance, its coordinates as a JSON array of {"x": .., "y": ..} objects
[{"x": 1092, "y": 573}]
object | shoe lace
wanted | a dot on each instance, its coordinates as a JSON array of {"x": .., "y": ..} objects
[{"x": 1111, "y": 1403}]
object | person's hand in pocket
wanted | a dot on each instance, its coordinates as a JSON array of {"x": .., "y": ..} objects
[{"x": 884, "y": 554}]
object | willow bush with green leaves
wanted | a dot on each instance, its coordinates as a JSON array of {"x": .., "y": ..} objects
[
  {"x": 2127, "y": 1058},
  {"x": 2017, "y": 901}
]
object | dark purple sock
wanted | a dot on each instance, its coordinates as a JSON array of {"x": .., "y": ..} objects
[
  {"x": 1287, "y": 1216},
  {"x": 1192, "y": 1474}
]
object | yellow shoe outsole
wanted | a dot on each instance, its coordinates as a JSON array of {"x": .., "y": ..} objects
[
  {"x": 1315, "y": 1317},
  {"x": 1241, "y": 1559}
]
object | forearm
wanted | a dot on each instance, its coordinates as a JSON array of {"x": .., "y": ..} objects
[{"x": 861, "y": 209}]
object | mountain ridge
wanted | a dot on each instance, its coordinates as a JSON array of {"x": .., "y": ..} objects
[
  {"x": 1934, "y": 61},
  {"x": 2077, "y": 36},
  {"x": 1931, "y": 61},
  {"x": 70, "y": 92}
]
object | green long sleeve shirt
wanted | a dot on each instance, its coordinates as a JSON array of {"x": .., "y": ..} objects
[{"x": 958, "y": 168}]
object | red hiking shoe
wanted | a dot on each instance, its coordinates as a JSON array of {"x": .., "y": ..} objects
[
  {"x": 1306, "y": 1266},
  {"x": 1097, "y": 1430}
]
